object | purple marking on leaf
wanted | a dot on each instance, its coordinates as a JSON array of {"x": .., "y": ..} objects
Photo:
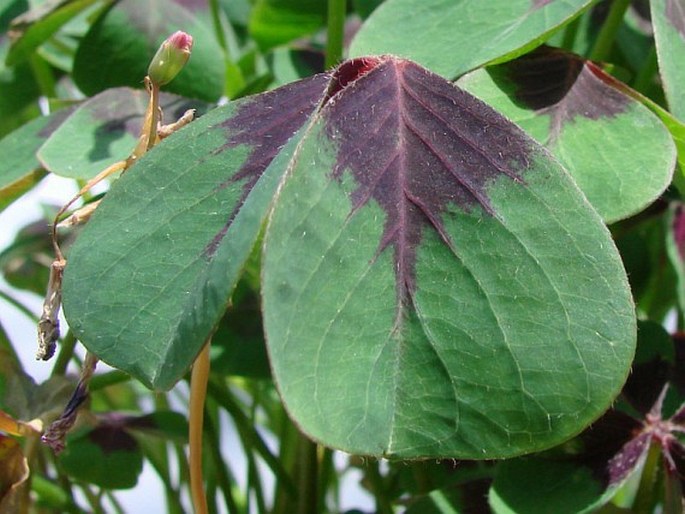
[
  {"x": 561, "y": 85},
  {"x": 604, "y": 439},
  {"x": 537, "y": 4},
  {"x": 416, "y": 144},
  {"x": 628, "y": 457},
  {"x": 193, "y": 6},
  {"x": 55, "y": 121},
  {"x": 678, "y": 228},
  {"x": 123, "y": 109},
  {"x": 112, "y": 438},
  {"x": 266, "y": 123},
  {"x": 675, "y": 15}
]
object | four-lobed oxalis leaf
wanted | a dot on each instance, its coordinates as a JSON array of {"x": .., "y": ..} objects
[{"x": 434, "y": 283}]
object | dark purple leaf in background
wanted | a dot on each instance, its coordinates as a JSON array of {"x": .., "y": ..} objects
[
  {"x": 540, "y": 3},
  {"x": 678, "y": 227}
]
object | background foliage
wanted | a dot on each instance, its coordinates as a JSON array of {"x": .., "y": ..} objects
[{"x": 499, "y": 307}]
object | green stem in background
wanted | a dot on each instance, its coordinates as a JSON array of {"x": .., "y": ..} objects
[
  {"x": 254, "y": 483},
  {"x": 570, "y": 34},
  {"x": 646, "y": 496},
  {"x": 94, "y": 500},
  {"x": 115, "y": 503},
  {"x": 250, "y": 436},
  {"x": 215, "y": 10},
  {"x": 373, "y": 475},
  {"x": 287, "y": 433},
  {"x": 155, "y": 452},
  {"x": 327, "y": 476},
  {"x": 66, "y": 352},
  {"x": 422, "y": 477},
  {"x": 223, "y": 477},
  {"x": 336, "y": 32},
  {"x": 308, "y": 474},
  {"x": 43, "y": 75},
  {"x": 19, "y": 306},
  {"x": 607, "y": 34},
  {"x": 645, "y": 75}
]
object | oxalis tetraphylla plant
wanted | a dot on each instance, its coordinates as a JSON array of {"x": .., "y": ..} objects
[{"x": 403, "y": 255}]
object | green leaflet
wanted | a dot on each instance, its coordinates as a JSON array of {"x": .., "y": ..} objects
[{"x": 451, "y": 37}]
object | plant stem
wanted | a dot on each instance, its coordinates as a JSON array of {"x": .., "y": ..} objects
[
  {"x": 222, "y": 473},
  {"x": 198, "y": 392},
  {"x": 155, "y": 452},
  {"x": 326, "y": 477},
  {"x": 43, "y": 75},
  {"x": 251, "y": 437},
  {"x": 607, "y": 34},
  {"x": 336, "y": 32},
  {"x": 646, "y": 492},
  {"x": 421, "y": 477},
  {"x": 153, "y": 119},
  {"x": 19, "y": 306},
  {"x": 374, "y": 477},
  {"x": 644, "y": 77},
  {"x": 66, "y": 352},
  {"x": 218, "y": 29},
  {"x": 570, "y": 34},
  {"x": 308, "y": 475}
]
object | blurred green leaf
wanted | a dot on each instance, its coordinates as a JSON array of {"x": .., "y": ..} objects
[
  {"x": 33, "y": 28},
  {"x": 117, "y": 49},
  {"x": 451, "y": 37},
  {"x": 238, "y": 346},
  {"x": 168, "y": 424},
  {"x": 544, "y": 485},
  {"x": 26, "y": 261},
  {"x": 365, "y": 7},
  {"x": 20, "y": 169},
  {"x": 19, "y": 93},
  {"x": 105, "y": 129},
  {"x": 289, "y": 64},
  {"x": 10, "y": 9},
  {"x": 276, "y": 22},
  {"x": 106, "y": 456},
  {"x": 668, "y": 20}
]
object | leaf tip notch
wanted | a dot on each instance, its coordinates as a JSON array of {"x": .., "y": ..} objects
[{"x": 350, "y": 71}]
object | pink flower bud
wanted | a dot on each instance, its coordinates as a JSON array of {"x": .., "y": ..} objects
[{"x": 170, "y": 58}]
